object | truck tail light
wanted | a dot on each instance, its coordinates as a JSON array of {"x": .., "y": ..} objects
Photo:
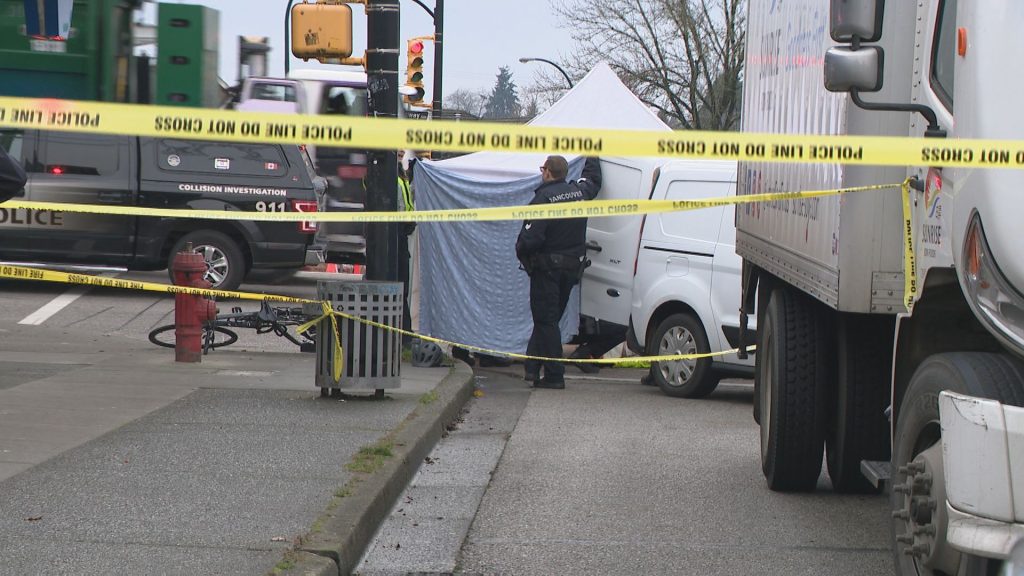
[{"x": 305, "y": 206}]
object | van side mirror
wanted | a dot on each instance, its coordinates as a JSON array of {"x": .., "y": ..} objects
[
  {"x": 848, "y": 69},
  {"x": 861, "y": 19}
]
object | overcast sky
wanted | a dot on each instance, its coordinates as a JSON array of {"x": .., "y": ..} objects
[{"x": 479, "y": 37}]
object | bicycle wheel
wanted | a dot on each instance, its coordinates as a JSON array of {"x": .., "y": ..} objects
[{"x": 221, "y": 336}]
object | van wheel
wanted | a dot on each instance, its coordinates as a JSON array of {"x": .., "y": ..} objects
[
  {"x": 682, "y": 334},
  {"x": 791, "y": 365},
  {"x": 918, "y": 498},
  {"x": 225, "y": 264}
]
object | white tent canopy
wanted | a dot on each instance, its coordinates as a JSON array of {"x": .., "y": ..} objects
[
  {"x": 599, "y": 100},
  {"x": 471, "y": 288}
]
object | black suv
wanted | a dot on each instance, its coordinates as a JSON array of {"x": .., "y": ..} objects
[{"x": 159, "y": 173}]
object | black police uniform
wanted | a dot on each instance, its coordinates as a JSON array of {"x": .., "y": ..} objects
[
  {"x": 12, "y": 176},
  {"x": 552, "y": 253}
]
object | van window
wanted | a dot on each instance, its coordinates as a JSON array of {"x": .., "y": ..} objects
[
  {"x": 344, "y": 101},
  {"x": 80, "y": 154},
  {"x": 699, "y": 225},
  {"x": 944, "y": 53},
  {"x": 221, "y": 158}
]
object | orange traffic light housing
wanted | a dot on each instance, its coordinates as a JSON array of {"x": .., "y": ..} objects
[
  {"x": 321, "y": 31},
  {"x": 414, "y": 72}
]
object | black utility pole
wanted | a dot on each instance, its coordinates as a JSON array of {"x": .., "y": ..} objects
[
  {"x": 438, "y": 52},
  {"x": 382, "y": 40}
]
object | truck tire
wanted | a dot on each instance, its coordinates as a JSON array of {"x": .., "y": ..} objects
[
  {"x": 764, "y": 292},
  {"x": 918, "y": 441},
  {"x": 682, "y": 334},
  {"x": 224, "y": 259},
  {"x": 791, "y": 366},
  {"x": 858, "y": 428}
]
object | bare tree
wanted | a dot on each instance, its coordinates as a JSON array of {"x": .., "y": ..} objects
[
  {"x": 682, "y": 57},
  {"x": 464, "y": 100}
]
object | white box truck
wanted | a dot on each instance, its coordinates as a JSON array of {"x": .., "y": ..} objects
[{"x": 842, "y": 366}]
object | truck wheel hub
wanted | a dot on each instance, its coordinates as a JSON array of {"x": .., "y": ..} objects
[{"x": 924, "y": 512}]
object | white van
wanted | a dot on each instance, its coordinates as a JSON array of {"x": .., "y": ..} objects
[{"x": 672, "y": 279}]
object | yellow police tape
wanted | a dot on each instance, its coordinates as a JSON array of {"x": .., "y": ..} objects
[
  {"x": 530, "y": 212},
  {"x": 29, "y": 273},
  {"x": 589, "y": 209},
  {"x": 393, "y": 134}
]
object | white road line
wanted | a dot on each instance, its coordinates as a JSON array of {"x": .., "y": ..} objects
[{"x": 57, "y": 304}]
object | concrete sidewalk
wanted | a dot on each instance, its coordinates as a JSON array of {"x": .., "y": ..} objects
[{"x": 116, "y": 460}]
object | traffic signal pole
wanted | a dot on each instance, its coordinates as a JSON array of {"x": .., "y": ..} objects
[
  {"x": 438, "y": 53},
  {"x": 382, "y": 45}
]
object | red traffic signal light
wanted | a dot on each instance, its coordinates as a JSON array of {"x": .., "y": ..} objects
[{"x": 414, "y": 71}]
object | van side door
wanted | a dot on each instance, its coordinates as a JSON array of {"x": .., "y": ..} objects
[
  {"x": 607, "y": 287},
  {"x": 82, "y": 169}
]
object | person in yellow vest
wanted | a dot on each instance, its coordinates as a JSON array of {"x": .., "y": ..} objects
[{"x": 406, "y": 203}]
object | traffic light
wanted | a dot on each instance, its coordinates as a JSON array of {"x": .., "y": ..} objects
[
  {"x": 321, "y": 31},
  {"x": 414, "y": 72}
]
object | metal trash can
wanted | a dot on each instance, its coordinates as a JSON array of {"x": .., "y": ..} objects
[{"x": 373, "y": 355}]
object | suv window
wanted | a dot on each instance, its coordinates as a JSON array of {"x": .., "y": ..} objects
[
  {"x": 276, "y": 92},
  {"x": 944, "y": 53},
  {"x": 221, "y": 158},
  {"x": 79, "y": 154},
  {"x": 13, "y": 141}
]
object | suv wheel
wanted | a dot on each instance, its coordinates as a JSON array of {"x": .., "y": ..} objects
[{"x": 225, "y": 264}]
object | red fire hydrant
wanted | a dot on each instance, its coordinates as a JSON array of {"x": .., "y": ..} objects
[{"x": 190, "y": 310}]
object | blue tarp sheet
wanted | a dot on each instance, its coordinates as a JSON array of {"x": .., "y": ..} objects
[{"x": 471, "y": 288}]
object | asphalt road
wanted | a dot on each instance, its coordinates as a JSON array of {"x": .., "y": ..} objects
[
  {"x": 605, "y": 477},
  {"x": 611, "y": 477}
]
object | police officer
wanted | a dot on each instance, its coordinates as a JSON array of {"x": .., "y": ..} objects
[
  {"x": 553, "y": 253},
  {"x": 12, "y": 176}
]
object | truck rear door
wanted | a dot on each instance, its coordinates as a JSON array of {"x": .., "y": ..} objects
[{"x": 80, "y": 169}]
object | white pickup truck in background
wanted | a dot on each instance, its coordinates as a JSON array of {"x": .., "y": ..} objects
[{"x": 324, "y": 92}]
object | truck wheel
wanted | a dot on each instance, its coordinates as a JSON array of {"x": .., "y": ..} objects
[
  {"x": 682, "y": 334},
  {"x": 859, "y": 429},
  {"x": 764, "y": 292},
  {"x": 918, "y": 500},
  {"x": 791, "y": 365},
  {"x": 225, "y": 264}
]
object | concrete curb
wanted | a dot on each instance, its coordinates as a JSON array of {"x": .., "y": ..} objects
[{"x": 348, "y": 526}]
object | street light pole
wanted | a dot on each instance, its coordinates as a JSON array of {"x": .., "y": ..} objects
[{"x": 567, "y": 79}]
